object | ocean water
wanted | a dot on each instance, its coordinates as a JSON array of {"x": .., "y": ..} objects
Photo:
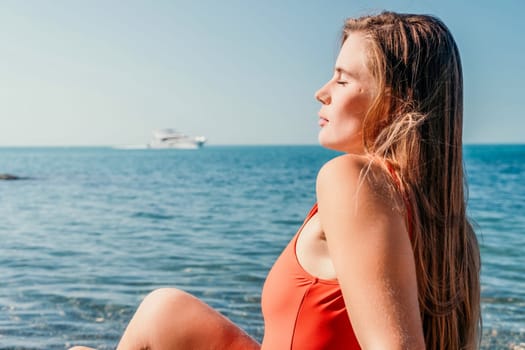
[{"x": 93, "y": 230}]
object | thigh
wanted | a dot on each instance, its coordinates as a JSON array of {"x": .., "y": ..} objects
[{"x": 172, "y": 319}]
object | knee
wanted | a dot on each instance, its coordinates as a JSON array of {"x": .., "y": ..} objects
[
  {"x": 163, "y": 298},
  {"x": 165, "y": 316},
  {"x": 166, "y": 304}
]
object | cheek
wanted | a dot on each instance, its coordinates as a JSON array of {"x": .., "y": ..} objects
[
  {"x": 350, "y": 115},
  {"x": 355, "y": 106}
]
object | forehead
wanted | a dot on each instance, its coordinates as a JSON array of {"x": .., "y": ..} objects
[{"x": 352, "y": 57}]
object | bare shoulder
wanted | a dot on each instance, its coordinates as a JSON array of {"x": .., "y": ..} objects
[
  {"x": 345, "y": 165},
  {"x": 360, "y": 178},
  {"x": 357, "y": 198}
]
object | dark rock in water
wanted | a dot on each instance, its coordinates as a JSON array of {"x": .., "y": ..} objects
[{"x": 10, "y": 177}]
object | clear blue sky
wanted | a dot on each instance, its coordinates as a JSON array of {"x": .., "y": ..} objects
[{"x": 103, "y": 72}]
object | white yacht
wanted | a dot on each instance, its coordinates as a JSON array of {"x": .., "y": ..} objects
[{"x": 170, "y": 138}]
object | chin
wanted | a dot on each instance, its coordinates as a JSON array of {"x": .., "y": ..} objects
[
  {"x": 344, "y": 148},
  {"x": 330, "y": 145},
  {"x": 352, "y": 145}
]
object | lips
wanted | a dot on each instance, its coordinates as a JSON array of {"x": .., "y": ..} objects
[{"x": 322, "y": 121}]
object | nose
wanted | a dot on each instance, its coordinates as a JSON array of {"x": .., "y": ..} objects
[{"x": 323, "y": 96}]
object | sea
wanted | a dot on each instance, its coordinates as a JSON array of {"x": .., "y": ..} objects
[{"x": 90, "y": 231}]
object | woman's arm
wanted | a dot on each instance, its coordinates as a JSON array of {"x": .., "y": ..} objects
[{"x": 371, "y": 251}]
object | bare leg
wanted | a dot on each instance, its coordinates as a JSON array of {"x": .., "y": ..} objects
[{"x": 169, "y": 318}]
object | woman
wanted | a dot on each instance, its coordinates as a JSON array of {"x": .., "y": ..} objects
[{"x": 387, "y": 258}]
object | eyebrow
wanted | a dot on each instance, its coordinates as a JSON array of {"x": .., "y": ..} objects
[{"x": 344, "y": 71}]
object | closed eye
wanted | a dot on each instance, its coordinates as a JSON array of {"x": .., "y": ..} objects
[{"x": 343, "y": 83}]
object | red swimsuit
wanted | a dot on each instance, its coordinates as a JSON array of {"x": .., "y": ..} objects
[{"x": 302, "y": 311}]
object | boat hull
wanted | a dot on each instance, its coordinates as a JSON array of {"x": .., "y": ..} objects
[{"x": 176, "y": 145}]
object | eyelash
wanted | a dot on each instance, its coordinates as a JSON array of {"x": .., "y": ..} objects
[{"x": 343, "y": 83}]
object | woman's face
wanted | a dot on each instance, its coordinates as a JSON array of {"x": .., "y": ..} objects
[{"x": 346, "y": 98}]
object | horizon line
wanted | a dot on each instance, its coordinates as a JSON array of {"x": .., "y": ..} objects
[{"x": 498, "y": 143}]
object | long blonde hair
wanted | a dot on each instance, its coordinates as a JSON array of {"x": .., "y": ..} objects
[{"x": 415, "y": 124}]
